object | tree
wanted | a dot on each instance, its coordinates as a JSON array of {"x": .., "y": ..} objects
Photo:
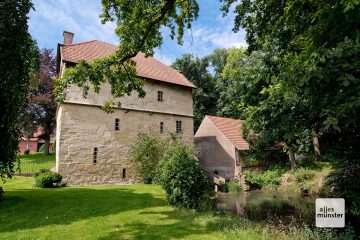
[
  {"x": 205, "y": 95},
  {"x": 139, "y": 26},
  {"x": 43, "y": 97},
  {"x": 17, "y": 62},
  {"x": 312, "y": 84}
]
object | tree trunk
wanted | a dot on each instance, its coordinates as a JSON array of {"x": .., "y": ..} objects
[
  {"x": 292, "y": 160},
  {"x": 316, "y": 145},
  {"x": 46, "y": 147}
]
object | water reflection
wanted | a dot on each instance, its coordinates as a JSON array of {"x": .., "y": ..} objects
[{"x": 261, "y": 205}]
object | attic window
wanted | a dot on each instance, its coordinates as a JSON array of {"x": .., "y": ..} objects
[
  {"x": 178, "y": 126},
  {"x": 95, "y": 154},
  {"x": 161, "y": 127},
  {"x": 160, "y": 96},
  {"x": 117, "y": 124}
]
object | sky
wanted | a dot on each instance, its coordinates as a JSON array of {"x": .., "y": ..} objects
[{"x": 208, "y": 32}]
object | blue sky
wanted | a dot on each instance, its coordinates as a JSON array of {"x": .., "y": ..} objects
[{"x": 51, "y": 18}]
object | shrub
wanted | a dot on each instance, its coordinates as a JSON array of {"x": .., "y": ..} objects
[
  {"x": 254, "y": 179},
  {"x": 183, "y": 179},
  {"x": 303, "y": 174},
  {"x": 41, "y": 171},
  {"x": 233, "y": 187},
  {"x": 1, "y": 194},
  {"x": 147, "y": 180},
  {"x": 27, "y": 152},
  {"x": 48, "y": 179},
  {"x": 270, "y": 177},
  {"x": 147, "y": 152}
]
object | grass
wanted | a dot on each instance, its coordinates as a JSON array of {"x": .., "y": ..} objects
[
  {"x": 34, "y": 162},
  {"x": 109, "y": 212}
]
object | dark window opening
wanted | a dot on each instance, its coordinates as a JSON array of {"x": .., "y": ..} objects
[
  {"x": 178, "y": 126},
  {"x": 160, "y": 96},
  {"x": 124, "y": 173},
  {"x": 95, "y": 154},
  {"x": 117, "y": 124},
  {"x": 161, "y": 127}
]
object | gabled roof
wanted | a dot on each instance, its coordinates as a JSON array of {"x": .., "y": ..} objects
[
  {"x": 145, "y": 67},
  {"x": 231, "y": 129}
]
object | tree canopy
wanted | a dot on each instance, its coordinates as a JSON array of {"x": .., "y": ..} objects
[{"x": 18, "y": 63}]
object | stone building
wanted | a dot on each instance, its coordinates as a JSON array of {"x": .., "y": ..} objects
[
  {"x": 91, "y": 145},
  {"x": 218, "y": 141}
]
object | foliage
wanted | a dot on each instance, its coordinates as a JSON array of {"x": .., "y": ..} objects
[
  {"x": 18, "y": 63},
  {"x": 41, "y": 171},
  {"x": 47, "y": 179},
  {"x": 344, "y": 182},
  {"x": 1, "y": 194},
  {"x": 183, "y": 179},
  {"x": 27, "y": 152},
  {"x": 147, "y": 152},
  {"x": 139, "y": 25},
  {"x": 303, "y": 174},
  {"x": 309, "y": 89},
  {"x": 233, "y": 187},
  {"x": 205, "y": 95},
  {"x": 261, "y": 179}
]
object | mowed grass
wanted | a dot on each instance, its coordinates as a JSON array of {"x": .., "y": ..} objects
[
  {"x": 34, "y": 162},
  {"x": 109, "y": 212}
]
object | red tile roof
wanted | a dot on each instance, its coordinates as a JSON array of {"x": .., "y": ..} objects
[
  {"x": 145, "y": 67},
  {"x": 232, "y": 130}
]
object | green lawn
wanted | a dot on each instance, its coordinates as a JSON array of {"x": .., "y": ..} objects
[
  {"x": 109, "y": 212},
  {"x": 34, "y": 162}
]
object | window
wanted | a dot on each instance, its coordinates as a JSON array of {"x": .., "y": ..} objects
[
  {"x": 124, "y": 173},
  {"x": 160, "y": 96},
  {"x": 95, "y": 154},
  {"x": 178, "y": 127},
  {"x": 117, "y": 124},
  {"x": 161, "y": 127}
]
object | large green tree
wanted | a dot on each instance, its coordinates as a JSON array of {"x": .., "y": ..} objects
[
  {"x": 17, "y": 54},
  {"x": 314, "y": 70}
]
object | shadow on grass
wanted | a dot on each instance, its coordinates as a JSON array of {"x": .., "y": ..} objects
[{"x": 33, "y": 208}]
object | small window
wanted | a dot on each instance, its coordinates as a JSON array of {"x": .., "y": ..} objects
[
  {"x": 161, "y": 127},
  {"x": 124, "y": 173},
  {"x": 117, "y": 124},
  {"x": 160, "y": 96},
  {"x": 178, "y": 126},
  {"x": 95, "y": 155}
]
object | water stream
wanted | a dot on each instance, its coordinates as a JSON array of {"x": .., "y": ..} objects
[{"x": 262, "y": 205}]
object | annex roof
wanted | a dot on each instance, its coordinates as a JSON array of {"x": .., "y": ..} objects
[
  {"x": 232, "y": 130},
  {"x": 145, "y": 67}
]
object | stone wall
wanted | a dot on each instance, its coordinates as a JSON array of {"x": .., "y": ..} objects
[
  {"x": 177, "y": 99},
  {"x": 81, "y": 128}
]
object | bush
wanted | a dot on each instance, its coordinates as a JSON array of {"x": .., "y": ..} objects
[
  {"x": 147, "y": 180},
  {"x": 1, "y": 194},
  {"x": 233, "y": 187},
  {"x": 48, "y": 179},
  {"x": 147, "y": 152},
  {"x": 303, "y": 174},
  {"x": 27, "y": 152},
  {"x": 183, "y": 179},
  {"x": 41, "y": 171},
  {"x": 270, "y": 177}
]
